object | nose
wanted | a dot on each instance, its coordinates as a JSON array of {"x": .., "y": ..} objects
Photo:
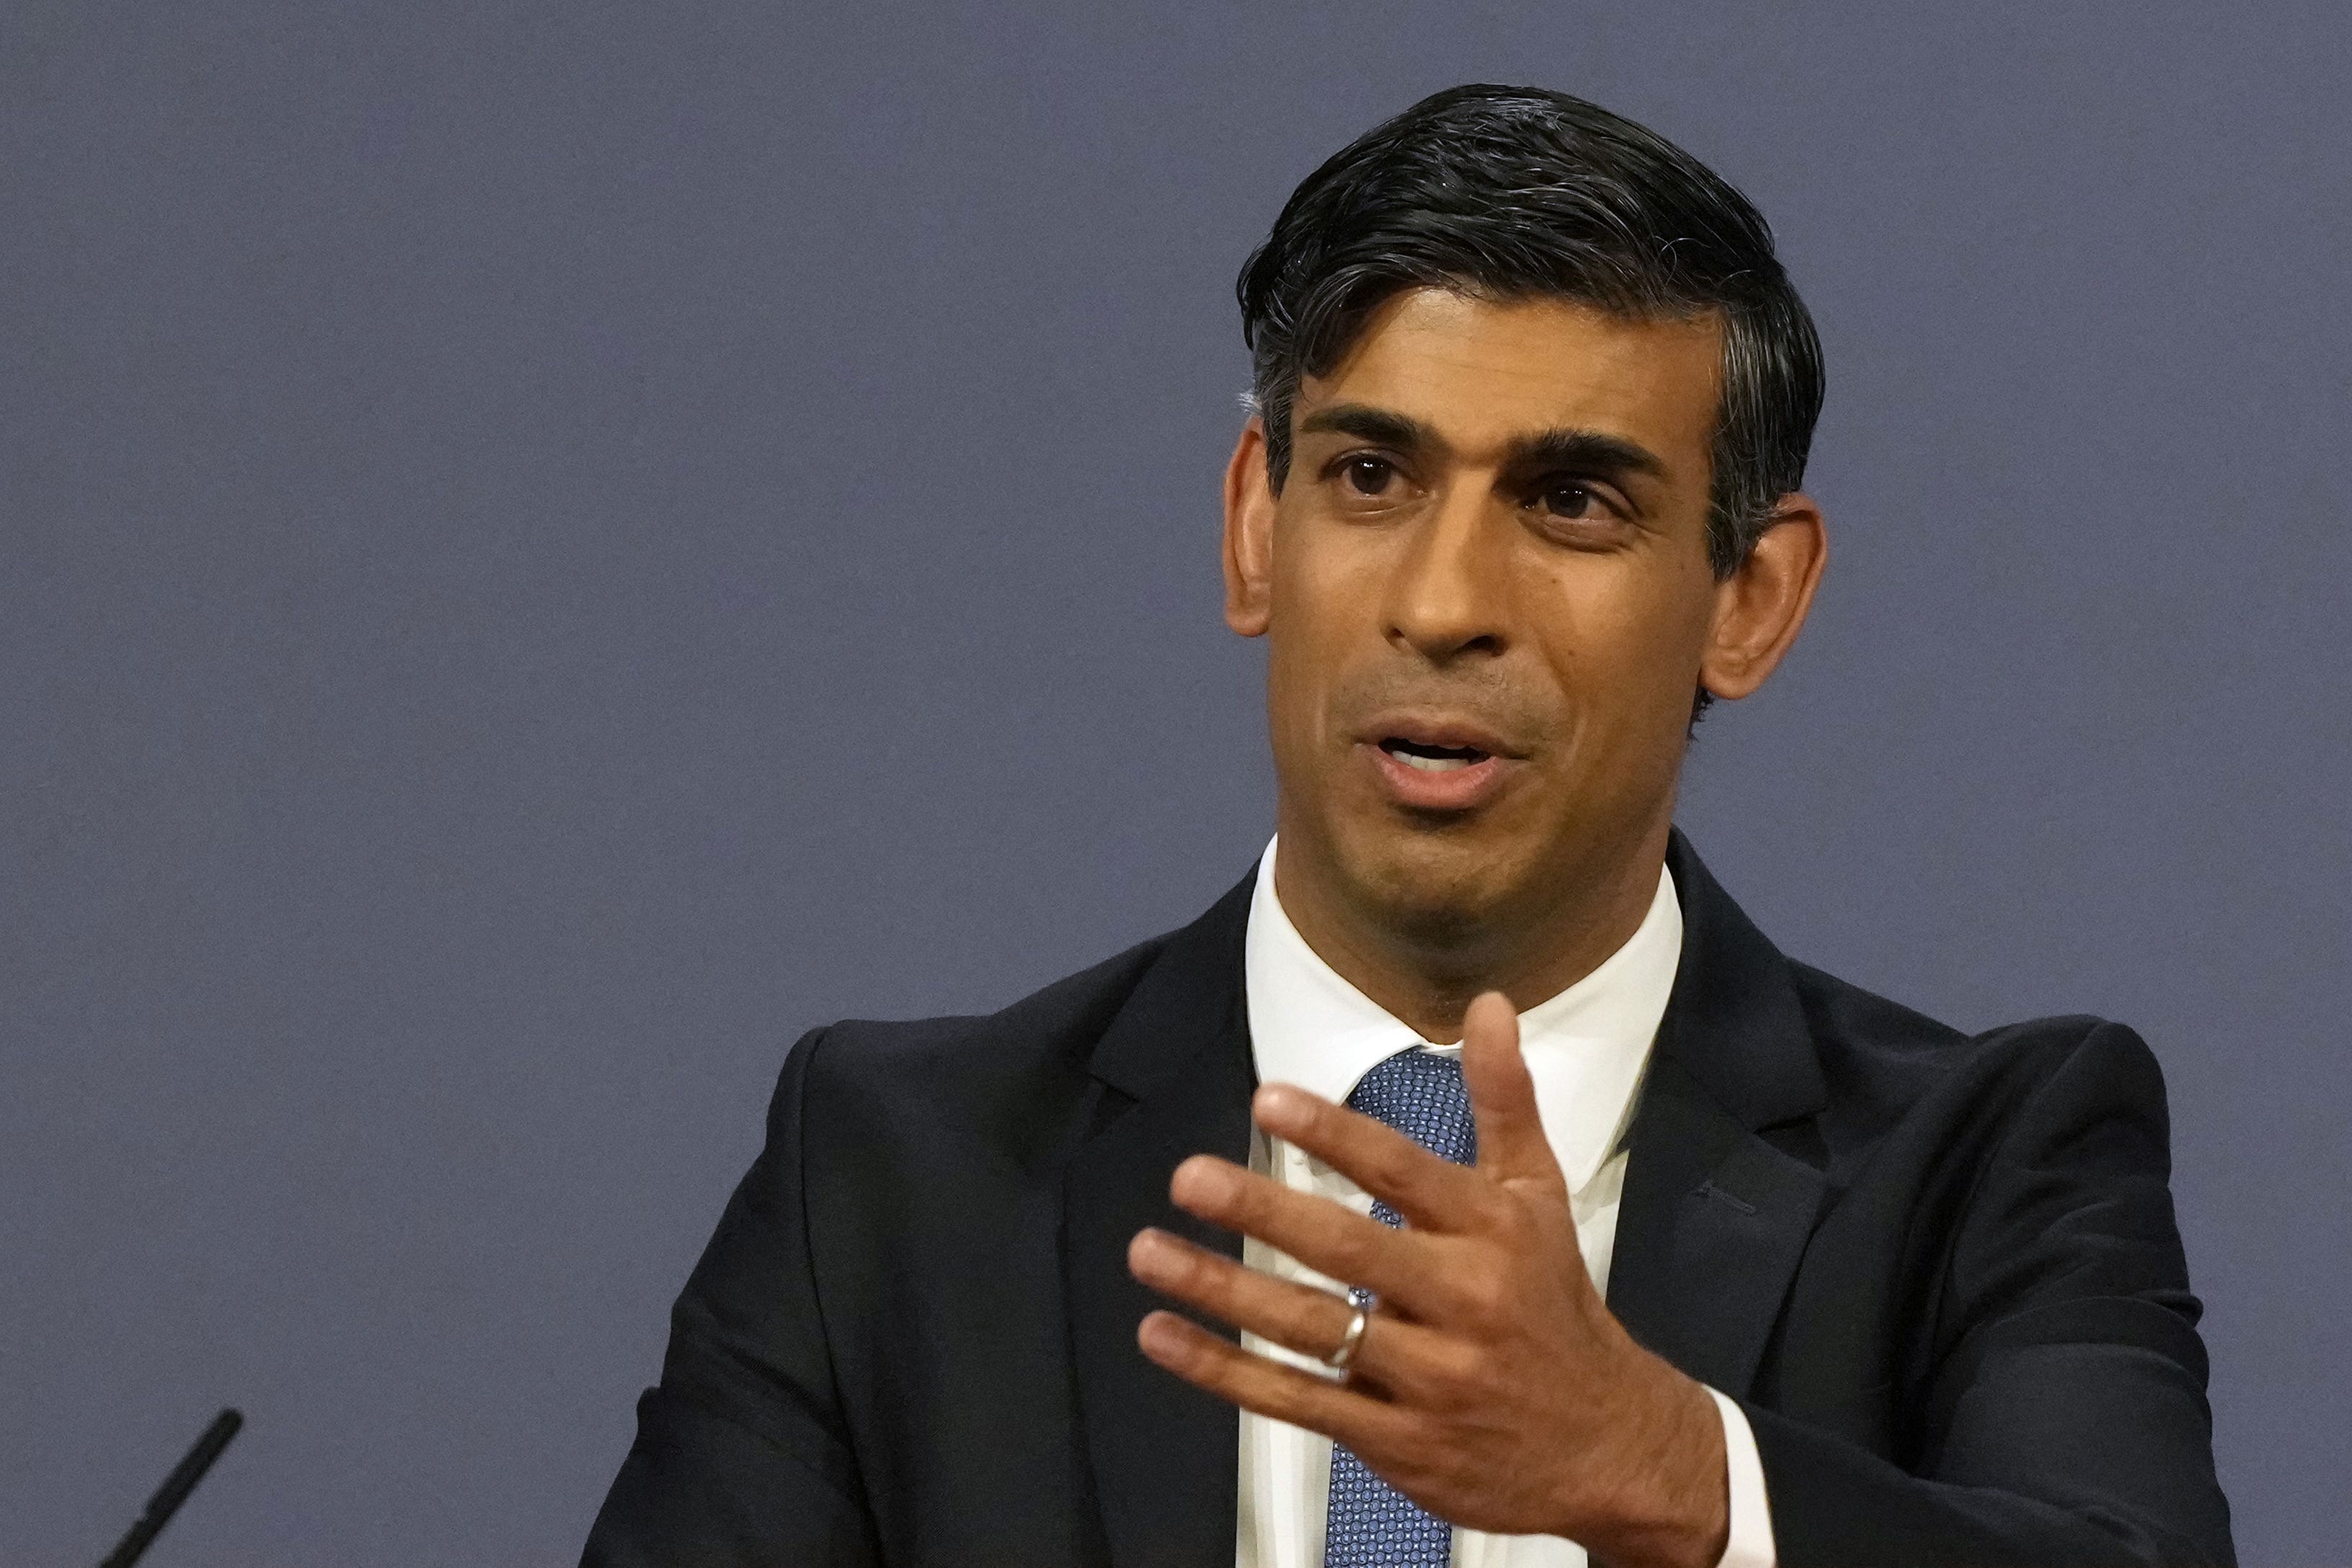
[{"x": 1450, "y": 588}]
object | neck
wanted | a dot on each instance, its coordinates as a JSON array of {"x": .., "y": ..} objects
[{"x": 1530, "y": 950}]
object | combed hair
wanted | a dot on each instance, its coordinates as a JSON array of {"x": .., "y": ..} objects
[{"x": 1509, "y": 193}]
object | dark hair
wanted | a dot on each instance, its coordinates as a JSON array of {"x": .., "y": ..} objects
[{"x": 1511, "y": 192}]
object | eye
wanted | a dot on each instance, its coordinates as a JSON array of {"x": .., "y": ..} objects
[
  {"x": 1367, "y": 476},
  {"x": 1569, "y": 498}
]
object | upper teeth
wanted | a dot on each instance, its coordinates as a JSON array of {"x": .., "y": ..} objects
[{"x": 1429, "y": 764}]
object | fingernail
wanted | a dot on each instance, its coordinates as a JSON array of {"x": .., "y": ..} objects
[
  {"x": 1200, "y": 1180},
  {"x": 1157, "y": 1333},
  {"x": 1280, "y": 1103}
]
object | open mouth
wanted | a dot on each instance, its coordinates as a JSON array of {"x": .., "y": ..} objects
[{"x": 1431, "y": 759}]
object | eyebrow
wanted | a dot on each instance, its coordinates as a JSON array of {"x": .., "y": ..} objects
[{"x": 1606, "y": 455}]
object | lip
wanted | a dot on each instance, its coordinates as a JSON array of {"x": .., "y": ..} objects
[
  {"x": 1457, "y": 789},
  {"x": 1426, "y": 729}
]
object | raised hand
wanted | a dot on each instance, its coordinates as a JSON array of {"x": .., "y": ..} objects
[{"x": 1491, "y": 1385}]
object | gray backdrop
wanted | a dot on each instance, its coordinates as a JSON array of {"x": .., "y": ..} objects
[{"x": 549, "y": 547}]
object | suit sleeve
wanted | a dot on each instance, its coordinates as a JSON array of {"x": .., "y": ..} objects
[
  {"x": 742, "y": 1455},
  {"x": 2064, "y": 1420}
]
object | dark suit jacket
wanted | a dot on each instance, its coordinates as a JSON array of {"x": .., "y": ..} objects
[{"x": 1939, "y": 1273}]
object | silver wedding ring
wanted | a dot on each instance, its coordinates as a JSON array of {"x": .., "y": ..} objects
[{"x": 1338, "y": 1359}]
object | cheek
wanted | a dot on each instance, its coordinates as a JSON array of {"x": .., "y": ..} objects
[
  {"x": 1322, "y": 602},
  {"x": 1322, "y": 575},
  {"x": 1297, "y": 672},
  {"x": 1624, "y": 645}
]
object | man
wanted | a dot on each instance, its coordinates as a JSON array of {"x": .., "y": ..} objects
[{"x": 1555, "y": 1211}]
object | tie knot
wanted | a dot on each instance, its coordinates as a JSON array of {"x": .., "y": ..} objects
[{"x": 1421, "y": 1095}]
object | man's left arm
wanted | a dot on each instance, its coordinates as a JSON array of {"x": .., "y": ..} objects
[{"x": 2064, "y": 1419}]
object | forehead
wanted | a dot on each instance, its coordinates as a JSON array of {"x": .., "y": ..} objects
[{"x": 1485, "y": 374}]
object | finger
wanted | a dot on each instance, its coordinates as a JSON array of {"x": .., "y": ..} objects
[
  {"x": 1269, "y": 1387},
  {"x": 1313, "y": 1323},
  {"x": 1430, "y": 1192},
  {"x": 1327, "y": 1236},
  {"x": 1511, "y": 1142}
]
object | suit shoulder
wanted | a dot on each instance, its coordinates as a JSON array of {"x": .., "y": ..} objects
[
  {"x": 938, "y": 1101},
  {"x": 1050, "y": 1029},
  {"x": 1884, "y": 1062}
]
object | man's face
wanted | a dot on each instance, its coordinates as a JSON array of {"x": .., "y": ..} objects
[{"x": 1487, "y": 593}]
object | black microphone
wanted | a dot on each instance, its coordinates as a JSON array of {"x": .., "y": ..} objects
[{"x": 174, "y": 1491}]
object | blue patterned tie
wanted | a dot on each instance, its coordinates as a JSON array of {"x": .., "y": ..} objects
[{"x": 1370, "y": 1523}]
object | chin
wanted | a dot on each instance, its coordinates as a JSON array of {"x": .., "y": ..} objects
[{"x": 1437, "y": 886}]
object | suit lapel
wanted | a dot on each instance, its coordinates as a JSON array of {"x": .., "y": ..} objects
[
  {"x": 1175, "y": 1078},
  {"x": 1714, "y": 1217}
]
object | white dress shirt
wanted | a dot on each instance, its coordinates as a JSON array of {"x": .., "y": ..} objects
[{"x": 1586, "y": 1049}]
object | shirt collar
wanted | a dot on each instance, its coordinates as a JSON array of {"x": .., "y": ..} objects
[{"x": 1585, "y": 1047}]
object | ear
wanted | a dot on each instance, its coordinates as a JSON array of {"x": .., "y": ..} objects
[
  {"x": 1249, "y": 533},
  {"x": 1760, "y": 608}
]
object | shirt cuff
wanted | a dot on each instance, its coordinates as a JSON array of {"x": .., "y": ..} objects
[{"x": 1750, "y": 1543}]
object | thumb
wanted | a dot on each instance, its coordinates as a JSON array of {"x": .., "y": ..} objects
[{"x": 1511, "y": 1142}]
